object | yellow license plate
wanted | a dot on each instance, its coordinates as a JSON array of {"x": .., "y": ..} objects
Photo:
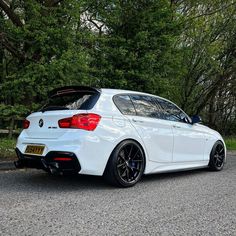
[{"x": 34, "y": 149}]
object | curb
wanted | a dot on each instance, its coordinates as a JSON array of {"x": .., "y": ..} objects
[{"x": 7, "y": 165}]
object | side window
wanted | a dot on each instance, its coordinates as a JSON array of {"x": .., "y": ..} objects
[
  {"x": 145, "y": 106},
  {"x": 159, "y": 109},
  {"x": 124, "y": 104},
  {"x": 172, "y": 112}
]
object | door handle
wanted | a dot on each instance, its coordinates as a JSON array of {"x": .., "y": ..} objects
[
  {"x": 137, "y": 121},
  {"x": 176, "y": 126}
]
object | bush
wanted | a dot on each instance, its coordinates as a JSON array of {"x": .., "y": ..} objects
[{"x": 7, "y": 148}]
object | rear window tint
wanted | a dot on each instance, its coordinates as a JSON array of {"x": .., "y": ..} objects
[
  {"x": 124, "y": 104},
  {"x": 72, "y": 101}
]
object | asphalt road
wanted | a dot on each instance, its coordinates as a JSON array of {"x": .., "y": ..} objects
[{"x": 188, "y": 203}]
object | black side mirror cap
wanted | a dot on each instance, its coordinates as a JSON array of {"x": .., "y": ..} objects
[{"x": 196, "y": 119}]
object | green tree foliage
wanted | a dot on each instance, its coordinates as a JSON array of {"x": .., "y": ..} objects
[
  {"x": 183, "y": 50},
  {"x": 41, "y": 52},
  {"x": 207, "y": 84},
  {"x": 135, "y": 48}
]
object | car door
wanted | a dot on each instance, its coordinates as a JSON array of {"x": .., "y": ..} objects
[
  {"x": 189, "y": 140},
  {"x": 155, "y": 132}
]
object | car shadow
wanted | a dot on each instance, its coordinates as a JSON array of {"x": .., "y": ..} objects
[
  {"x": 64, "y": 182},
  {"x": 40, "y": 181}
]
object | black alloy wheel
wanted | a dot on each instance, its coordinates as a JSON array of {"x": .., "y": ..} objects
[
  {"x": 126, "y": 164},
  {"x": 217, "y": 156}
]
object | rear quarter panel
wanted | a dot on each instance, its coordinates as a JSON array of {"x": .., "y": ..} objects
[{"x": 113, "y": 128}]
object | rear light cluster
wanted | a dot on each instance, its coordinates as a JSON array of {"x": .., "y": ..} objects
[
  {"x": 86, "y": 121},
  {"x": 62, "y": 159},
  {"x": 26, "y": 124}
]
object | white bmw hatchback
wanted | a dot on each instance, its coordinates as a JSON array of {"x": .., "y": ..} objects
[{"x": 116, "y": 133}]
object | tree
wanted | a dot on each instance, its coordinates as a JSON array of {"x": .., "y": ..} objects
[
  {"x": 40, "y": 49},
  {"x": 182, "y": 50},
  {"x": 135, "y": 48},
  {"x": 208, "y": 58}
]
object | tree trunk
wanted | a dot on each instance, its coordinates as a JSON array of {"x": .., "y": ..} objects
[{"x": 11, "y": 128}]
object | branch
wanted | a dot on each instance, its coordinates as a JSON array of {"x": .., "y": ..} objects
[
  {"x": 10, "y": 47},
  {"x": 11, "y": 14},
  {"x": 212, "y": 90},
  {"x": 91, "y": 20},
  {"x": 213, "y": 12}
]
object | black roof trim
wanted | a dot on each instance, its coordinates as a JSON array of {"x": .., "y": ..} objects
[{"x": 72, "y": 89}]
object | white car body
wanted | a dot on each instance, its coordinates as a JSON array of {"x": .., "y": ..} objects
[{"x": 168, "y": 145}]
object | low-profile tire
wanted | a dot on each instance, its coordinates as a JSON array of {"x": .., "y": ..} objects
[
  {"x": 217, "y": 157},
  {"x": 126, "y": 164}
]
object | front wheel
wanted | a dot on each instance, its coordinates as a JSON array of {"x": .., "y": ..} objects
[
  {"x": 217, "y": 157},
  {"x": 126, "y": 164}
]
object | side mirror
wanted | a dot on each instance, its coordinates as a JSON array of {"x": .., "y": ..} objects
[{"x": 196, "y": 119}]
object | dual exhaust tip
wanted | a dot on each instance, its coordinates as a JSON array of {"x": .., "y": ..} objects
[{"x": 53, "y": 167}]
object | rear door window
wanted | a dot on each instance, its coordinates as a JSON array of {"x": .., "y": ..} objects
[{"x": 146, "y": 106}]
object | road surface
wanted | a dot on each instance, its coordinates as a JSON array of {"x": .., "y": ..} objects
[{"x": 197, "y": 202}]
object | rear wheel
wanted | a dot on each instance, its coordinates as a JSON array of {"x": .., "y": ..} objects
[
  {"x": 217, "y": 156},
  {"x": 126, "y": 164}
]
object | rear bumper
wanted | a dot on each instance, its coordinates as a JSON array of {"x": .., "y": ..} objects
[
  {"x": 71, "y": 164},
  {"x": 92, "y": 149},
  {"x": 91, "y": 152}
]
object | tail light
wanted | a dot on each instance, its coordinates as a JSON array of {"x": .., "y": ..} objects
[
  {"x": 26, "y": 124},
  {"x": 62, "y": 159},
  {"x": 87, "y": 121}
]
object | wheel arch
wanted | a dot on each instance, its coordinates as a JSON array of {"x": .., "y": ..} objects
[
  {"x": 225, "y": 148},
  {"x": 128, "y": 139},
  {"x": 212, "y": 149}
]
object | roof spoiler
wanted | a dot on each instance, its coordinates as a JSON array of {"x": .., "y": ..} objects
[{"x": 72, "y": 89}]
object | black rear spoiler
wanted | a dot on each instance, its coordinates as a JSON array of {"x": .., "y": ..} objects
[{"x": 72, "y": 89}]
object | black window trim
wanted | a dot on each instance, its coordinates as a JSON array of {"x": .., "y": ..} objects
[{"x": 153, "y": 96}]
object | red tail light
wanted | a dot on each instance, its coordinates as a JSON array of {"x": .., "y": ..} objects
[
  {"x": 62, "y": 159},
  {"x": 81, "y": 121},
  {"x": 26, "y": 124}
]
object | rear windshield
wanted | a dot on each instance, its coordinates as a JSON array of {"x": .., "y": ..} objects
[{"x": 72, "y": 101}]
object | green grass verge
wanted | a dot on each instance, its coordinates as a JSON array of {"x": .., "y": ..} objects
[
  {"x": 7, "y": 148},
  {"x": 230, "y": 143}
]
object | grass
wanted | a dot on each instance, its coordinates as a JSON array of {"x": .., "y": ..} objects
[
  {"x": 7, "y": 148},
  {"x": 230, "y": 143}
]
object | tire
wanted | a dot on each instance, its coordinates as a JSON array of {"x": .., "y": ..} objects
[
  {"x": 126, "y": 164},
  {"x": 217, "y": 157}
]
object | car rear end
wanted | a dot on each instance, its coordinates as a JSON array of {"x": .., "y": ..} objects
[{"x": 54, "y": 137}]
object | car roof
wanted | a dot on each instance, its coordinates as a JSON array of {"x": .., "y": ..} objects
[{"x": 123, "y": 91}]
